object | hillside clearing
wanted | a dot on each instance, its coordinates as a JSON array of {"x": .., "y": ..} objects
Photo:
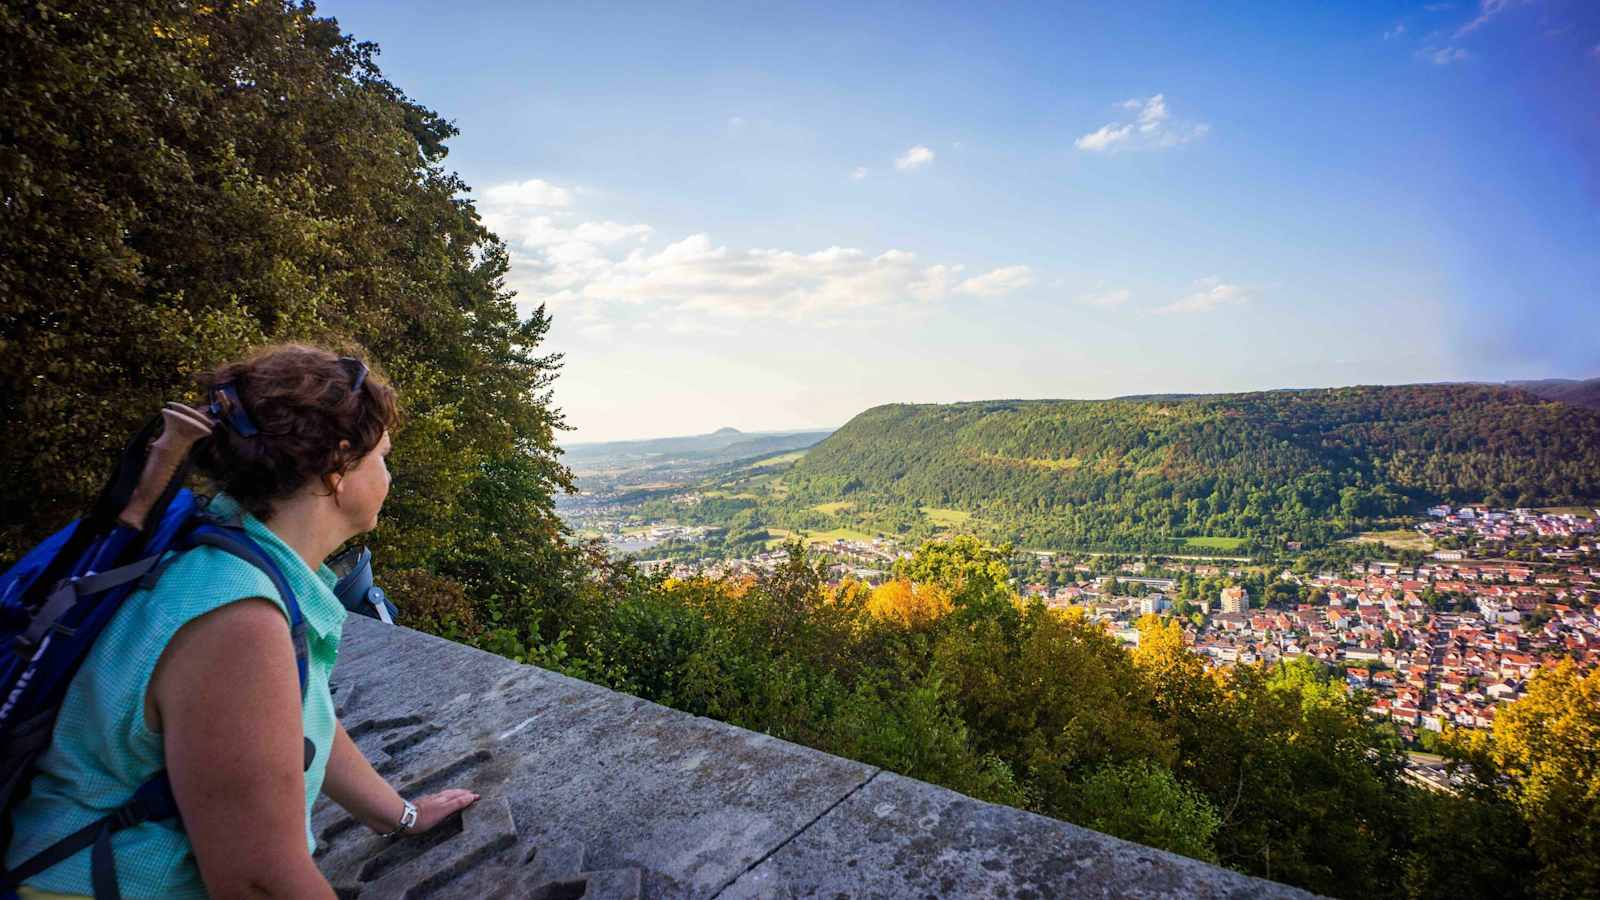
[
  {"x": 1397, "y": 539},
  {"x": 945, "y": 517},
  {"x": 1209, "y": 542},
  {"x": 781, "y": 460}
]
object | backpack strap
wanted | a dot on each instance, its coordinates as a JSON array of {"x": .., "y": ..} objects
[
  {"x": 67, "y": 595},
  {"x": 152, "y": 802},
  {"x": 233, "y": 540}
]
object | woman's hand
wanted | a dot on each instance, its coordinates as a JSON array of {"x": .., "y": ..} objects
[
  {"x": 435, "y": 808},
  {"x": 353, "y": 784}
]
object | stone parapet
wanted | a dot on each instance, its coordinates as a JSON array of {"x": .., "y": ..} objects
[{"x": 590, "y": 793}]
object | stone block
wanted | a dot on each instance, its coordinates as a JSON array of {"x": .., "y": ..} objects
[{"x": 594, "y": 794}]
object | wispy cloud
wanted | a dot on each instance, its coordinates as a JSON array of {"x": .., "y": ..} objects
[
  {"x": 997, "y": 283},
  {"x": 1396, "y": 31},
  {"x": 1443, "y": 56},
  {"x": 583, "y": 266},
  {"x": 1106, "y": 298},
  {"x": 859, "y": 173},
  {"x": 914, "y": 158},
  {"x": 1439, "y": 7},
  {"x": 1209, "y": 294},
  {"x": 1152, "y": 127},
  {"x": 1487, "y": 9}
]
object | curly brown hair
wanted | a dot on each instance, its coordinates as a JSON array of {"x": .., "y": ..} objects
[{"x": 301, "y": 401}]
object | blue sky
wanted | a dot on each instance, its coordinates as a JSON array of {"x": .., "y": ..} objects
[{"x": 775, "y": 216}]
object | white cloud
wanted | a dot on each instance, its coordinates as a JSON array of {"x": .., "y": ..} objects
[
  {"x": 1209, "y": 294},
  {"x": 859, "y": 173},
  {"x": 533, "y": 192},
  {"x": 609, "y": 232},
  {"x": 935, "y": 282},
  {"x": 1152, "y": 127},
  {"x": 914, "y": 158},
  {"x": 588, "y": 267},
  {"x": 1396, "y": 31},
  {"x": 680, "y": 325},
  {"x": 1107, "y": 299},
  {"x": 997, "y": 283},
  {"x": 1444, "y": 56},
  {"x": 1153, "y": 113},
  {"x": 1104, "y": 137},
  {"x": 1487, "y": 9},
  {"x": 736, "y": 124}
]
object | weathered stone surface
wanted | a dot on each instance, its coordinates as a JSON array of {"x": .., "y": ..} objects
[
  {"x": 897, "y": 837},
  {"x": 590, "y": 793}
]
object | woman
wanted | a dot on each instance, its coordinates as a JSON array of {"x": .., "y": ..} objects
[{"x": 198, "y": 674}]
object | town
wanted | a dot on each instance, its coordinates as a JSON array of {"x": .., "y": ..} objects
[{"x": 1440, "y": 642}]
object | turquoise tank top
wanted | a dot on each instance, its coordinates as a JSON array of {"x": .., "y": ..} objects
[{"x": 102, "y": 749}]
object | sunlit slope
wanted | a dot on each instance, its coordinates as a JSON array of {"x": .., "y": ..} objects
[{"x": 1272, "y": 465}]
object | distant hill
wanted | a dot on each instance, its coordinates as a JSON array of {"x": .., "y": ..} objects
[
  {"x": 1584, "y": 393},
  {"x": 1269, "y": 466},
  {"x": 720, "y": 446}
]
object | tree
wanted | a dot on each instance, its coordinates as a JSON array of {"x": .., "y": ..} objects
[
  {"x": 1543, "y": 756},
  {"x": 977, "y": 576},
  {"x": 1281, "y": 593},
  {"x": 910, "y": 604},
  {"x": 182, "y": 182},
  {"x": 1143, "y": 802}
]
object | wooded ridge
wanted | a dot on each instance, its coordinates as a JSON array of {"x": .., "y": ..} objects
[{"x": 1269, "y": 466}]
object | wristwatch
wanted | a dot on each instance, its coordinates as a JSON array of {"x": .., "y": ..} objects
[{"x": 408, "y": 819}]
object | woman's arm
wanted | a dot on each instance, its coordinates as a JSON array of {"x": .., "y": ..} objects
[
  {"x": 227, "y": 703},
  {"x": 353, "y": 784}
]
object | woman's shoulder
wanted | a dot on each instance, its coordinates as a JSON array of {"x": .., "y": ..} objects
[{"x": 199, "y": 580}]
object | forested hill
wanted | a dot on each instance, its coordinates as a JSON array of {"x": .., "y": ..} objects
[
  {"x": 1299, "y": 465},
  {"x": 1567, "y": 390}
]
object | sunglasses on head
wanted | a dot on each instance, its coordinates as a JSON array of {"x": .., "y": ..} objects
[
  {"x": 357, "y": 370},
  {"x": 226, "y": 408}
]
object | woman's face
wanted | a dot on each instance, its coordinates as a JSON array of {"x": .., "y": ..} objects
[{"x": 364, "y": 487}]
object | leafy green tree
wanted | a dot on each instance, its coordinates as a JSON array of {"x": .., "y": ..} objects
[
  {"x": 1143, "y": 802},
  {"x": 182, "y": 182},
  {"x": 1281, "y": 593},
  {"x": 1465, "y": 846},
  {"x": 978, "y": 576}
]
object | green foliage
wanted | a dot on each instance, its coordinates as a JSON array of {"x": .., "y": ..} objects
[
  {"x": 1144, "y": 802},
  {"x": 183, "y": 182},
  {"x": 919, "y": 730},
  {"x": 1466, "y": 846},
  {"x": 1542, "y": 760},
  {"x": 977, "y": 576}
]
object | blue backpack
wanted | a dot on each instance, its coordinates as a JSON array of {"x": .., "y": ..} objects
[{"x": 53, "y": 605}]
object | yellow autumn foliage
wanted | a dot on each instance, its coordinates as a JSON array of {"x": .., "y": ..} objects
[
  {"x": 910, "y": 604},
  {"x": 1546, "y": 748}
]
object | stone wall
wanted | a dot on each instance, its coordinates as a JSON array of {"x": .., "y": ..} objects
[{"x": 590, "y": 793}]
